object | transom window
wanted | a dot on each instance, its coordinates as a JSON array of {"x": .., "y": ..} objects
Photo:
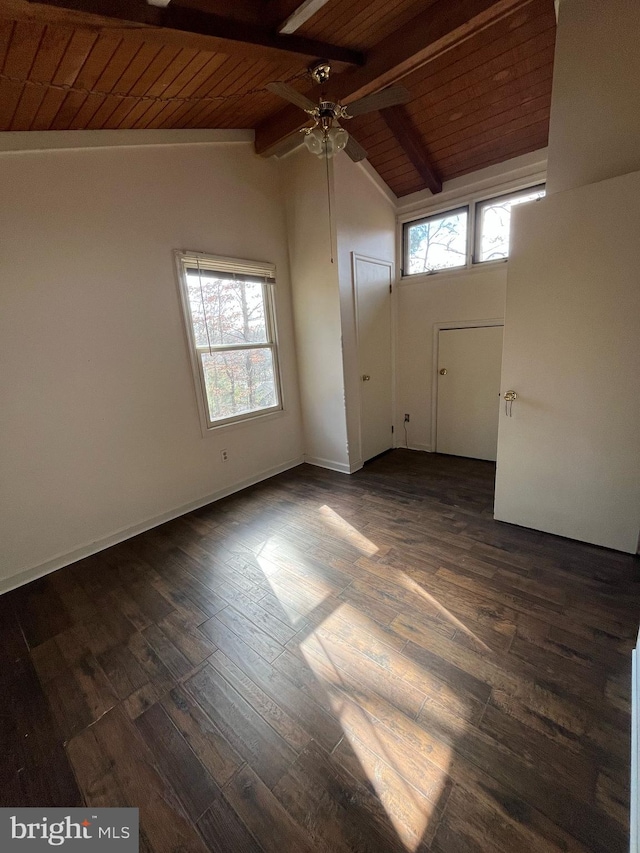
[
  {"x": 229, "y": 314},
  {"x": 443, "y": 241},
  {"x": 436, "y": 242},
  {"x": 493, "y": 223}
]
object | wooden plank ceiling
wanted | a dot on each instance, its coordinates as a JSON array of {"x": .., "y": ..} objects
[{"x": 479, "y": 72}]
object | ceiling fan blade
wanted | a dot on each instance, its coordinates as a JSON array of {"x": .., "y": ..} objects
[
  {"x": 388, "y": 97},
  {"x": 283, "y": 90},
  {"x": 355, "y": 150}
]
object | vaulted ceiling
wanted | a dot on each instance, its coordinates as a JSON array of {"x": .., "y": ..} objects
[{"x": 479, "y": 72}]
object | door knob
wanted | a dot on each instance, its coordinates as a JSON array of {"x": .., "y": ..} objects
[
  {"x": 443, "y": 372},
  {"x": 509, "y": 397},
  {"x": 365, "y": 377}
]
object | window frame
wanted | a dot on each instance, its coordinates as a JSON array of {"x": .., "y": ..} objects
[
  {"x": 472, "y": 202},
  {"x": 440, "y": 215},
  {"x": 185, "y": 260},
  {"x": 477, "y": 217}
]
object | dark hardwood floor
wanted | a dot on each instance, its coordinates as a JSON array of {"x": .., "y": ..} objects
[{"x": 332, "y": 663}]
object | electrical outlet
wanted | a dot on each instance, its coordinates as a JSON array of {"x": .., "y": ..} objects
[
  {"x": 407, "y": 418},
  {"x": 224, "y": 455}
]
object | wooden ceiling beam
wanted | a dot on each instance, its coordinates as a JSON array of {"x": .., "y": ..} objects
[
  {"x": 249, "y": 11},
  {"x": 402, "y": 127},
  {"x": 433, "y": 32},
  {"x": 180, "y": 26}
]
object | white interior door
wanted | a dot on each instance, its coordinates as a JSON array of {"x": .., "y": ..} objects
[
  {"x": 372, "y": 286},
  {"x": 569, "y": 457},
  {"x": 469, "y": 363}
]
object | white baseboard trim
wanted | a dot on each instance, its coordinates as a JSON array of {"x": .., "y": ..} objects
[
  {"x": 319, "y": 462},
  {"x": 61, "y": 560},
  {"x": 425, "y": 448}
]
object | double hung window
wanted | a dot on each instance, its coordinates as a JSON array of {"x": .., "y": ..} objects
[{"x": 229, "y": 313}]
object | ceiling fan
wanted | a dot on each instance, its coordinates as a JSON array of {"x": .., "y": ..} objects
[{"x": 325, "y": 137}]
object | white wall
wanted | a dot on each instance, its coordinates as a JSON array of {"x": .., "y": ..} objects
[
  {"x": 316, "y": 310},
  {"x": 569, "y": 458},
  {"x": 99, "y": 425},
  {"x": 441, "y": 298},
  {"x": 446, "y": 297},
  {"x": 595, "y": 121},
  {"x": 366, "y": 219},
  {"x": 363, "y": 221}
]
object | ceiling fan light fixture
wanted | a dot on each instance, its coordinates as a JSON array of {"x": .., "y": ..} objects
[
  {"x": 326, "y": 142},
  {"x": 314, "y": 141},
  {"x": 339, "y": 138}
]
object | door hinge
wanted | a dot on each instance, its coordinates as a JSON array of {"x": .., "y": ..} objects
[
  {"x": 390, "y": 288},
  {"x": 392, "y": 428}
]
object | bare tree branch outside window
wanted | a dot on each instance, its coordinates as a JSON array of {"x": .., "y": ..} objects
[
  {"x": 438, "y": 243},
  {"x": 494, "y": 224}
]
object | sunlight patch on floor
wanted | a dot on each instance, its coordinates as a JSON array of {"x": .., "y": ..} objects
[
  {"x": 283, "y": 574},
  {"x": 445, "y": 614},
  {"x": 407, "y": 809},
  {"x": 372, "y": 748},
  {"x": 270, "y": 552},
  {"x": 374, "y": 662},
  {"x": 347, "y": 531}
]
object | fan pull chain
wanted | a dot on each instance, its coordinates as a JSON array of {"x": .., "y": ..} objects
[{"x": 326, "y": 160}]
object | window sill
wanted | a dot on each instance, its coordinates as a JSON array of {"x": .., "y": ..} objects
[
  {"x": 217, "y": 429},
  {"x": 471, "y": 269}
]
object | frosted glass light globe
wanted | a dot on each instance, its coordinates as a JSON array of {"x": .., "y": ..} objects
[
  {"x": 326, "y": 144},
  {"x": 315, "y": 141},
  {"x": 339, "y": 137}
]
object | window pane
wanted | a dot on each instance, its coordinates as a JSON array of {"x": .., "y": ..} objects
[
  {"x": 225, "y": 311},
  {"x": 495, "y": 224},
  {"x": 239, "y": 382},
  {"x": 438, "y": 243}
]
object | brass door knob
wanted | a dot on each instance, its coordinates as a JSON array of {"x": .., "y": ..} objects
[
  {"x": 443, "y": 372},
  {"x": 509, "y": 397},
  {"x": 365, "y": 377}
]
